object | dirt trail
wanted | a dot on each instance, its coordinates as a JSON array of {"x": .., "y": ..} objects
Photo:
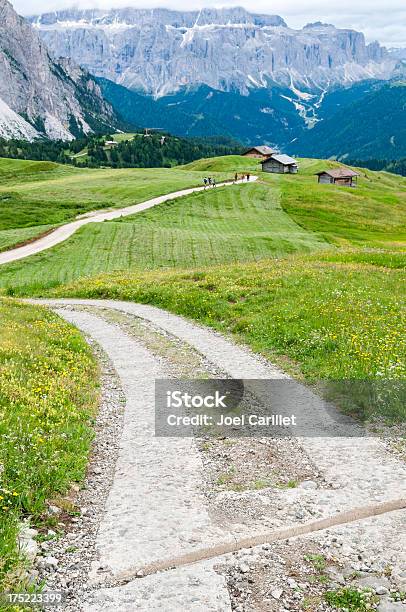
[
  {"x": 156, "y": 511},
  {"x": 66, "y": 231}
]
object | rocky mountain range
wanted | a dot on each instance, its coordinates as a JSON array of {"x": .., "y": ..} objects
[
  {"x": 41, "y": 96},
  {"x": 160, "y": 51},
  {"x": 201, "y": 73}
]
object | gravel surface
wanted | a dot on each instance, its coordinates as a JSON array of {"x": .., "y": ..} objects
[
  {"x": 155, "y": 507},
  {"x": 65, "y": 562},
  {"x": 240, "y": 486},
  {"x": 236, "y": 471}
]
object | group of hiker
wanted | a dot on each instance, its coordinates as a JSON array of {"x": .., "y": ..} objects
[
  {"x": 243, "y": 177},
  {"x": 208, "y": 181}
]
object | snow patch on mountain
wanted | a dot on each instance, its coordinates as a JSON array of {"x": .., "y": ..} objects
[
  {"x": 14, "y": 126},
  {"x": 161, "y": 51}
]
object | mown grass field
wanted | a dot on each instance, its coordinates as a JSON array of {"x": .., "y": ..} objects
[
  {"x": 310, "y": 275},
  {"x": 34, "y": 194},
  {"x": 48, "y": 398},
  {"x": 222, "y": 225},
  {"x": 372, "y": 214}
]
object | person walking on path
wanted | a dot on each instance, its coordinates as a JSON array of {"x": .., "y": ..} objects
[
  {"x": 248, "y": 176},
  {"x": 235, "y": 177},
  {"x": 209, "y": 179},
  {"x": 205, "y": 182},
  {"x": 214, "y": 183}
]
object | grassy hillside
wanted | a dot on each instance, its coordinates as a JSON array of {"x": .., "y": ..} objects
[
  {"x": 233, "y": 258},
  {"x": 44, "y": 193},
  {"x": 228, "y": 163},
  {"x": 276, "y": 216},
  {"x": 373, "y": 214},
  {"x": 48, "y": 396},
  {"x": 339, "y": 319},
  {"x": 229, "y": 224}
]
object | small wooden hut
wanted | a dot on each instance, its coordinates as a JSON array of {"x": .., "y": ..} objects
[
  {"x": 338, "y": 176},
  {"x": 261, "y": 152},
  {"x": 280, "y": 164}
]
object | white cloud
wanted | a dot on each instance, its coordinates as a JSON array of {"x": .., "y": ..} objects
[{"x": 383, "y": 21}]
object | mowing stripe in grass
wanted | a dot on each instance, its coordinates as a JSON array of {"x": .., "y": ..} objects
[
  {"x": 238, "y": 223},
  {"x": 64, "y": 232}
]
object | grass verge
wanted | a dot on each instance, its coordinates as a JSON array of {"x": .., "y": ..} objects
[
  {"x": 315, "y": 318},
  {"x": 48, "y": 398},
  {"x": 12, "y": 238}
]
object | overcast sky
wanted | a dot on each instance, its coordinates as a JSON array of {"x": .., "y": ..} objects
[{"x": 379, "y": 20}]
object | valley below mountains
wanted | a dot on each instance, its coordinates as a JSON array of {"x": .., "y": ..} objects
[
  {"x": 246, "y": 76},
  {"x": 319, "y": 91}
]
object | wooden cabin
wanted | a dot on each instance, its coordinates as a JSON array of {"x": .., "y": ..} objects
[
  {"x": 280, "y": 164},
  {"x": 338, "y": 176},
  {"x": 261, "y": 152}
]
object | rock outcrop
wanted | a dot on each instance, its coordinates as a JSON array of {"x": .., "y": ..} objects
[
  {"x": 40, "y": 96},
  {"x": 160, "y": 51}
]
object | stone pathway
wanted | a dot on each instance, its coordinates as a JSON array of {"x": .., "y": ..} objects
[
  {"x": 359, "y": 467},
  {"x": 66, "y": 231},
  {"x": 154, "y": 507},
  {"x": 156, "y": 510}
]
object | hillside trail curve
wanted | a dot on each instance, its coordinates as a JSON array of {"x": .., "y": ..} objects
[
  {"x": 62, "y": 233},
  {"x": 159, "y": 543}
]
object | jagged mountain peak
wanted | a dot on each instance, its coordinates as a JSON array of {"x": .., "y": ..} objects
[
  {"x": 40, "y": 96},
  {"x": 160, "y": 16},
  {"x": 160, "y": 51}
]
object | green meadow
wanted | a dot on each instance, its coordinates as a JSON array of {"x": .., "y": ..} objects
[
  {"x": 48, "y": 399},
  {"x": 38, "y": 194},
  {"x": 312, "y": 276},
  {"x": 221, "y": 225},
  {"x": 373, "y": 213},
  {"x": 313, "y": 317}
]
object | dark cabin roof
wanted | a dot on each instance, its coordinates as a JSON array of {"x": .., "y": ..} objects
[
  {"x": 264, "y": 150},
  {"x": 282, "y": 159},
  {"x": 339, "y": 173}
]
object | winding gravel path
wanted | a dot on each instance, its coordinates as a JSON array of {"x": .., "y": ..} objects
[
  {"x": 357, "y": 465},
  {"x": 156, "y": 511},
  {"x": 154, "y": 504},
  {"x": 65, "y": 231}
]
